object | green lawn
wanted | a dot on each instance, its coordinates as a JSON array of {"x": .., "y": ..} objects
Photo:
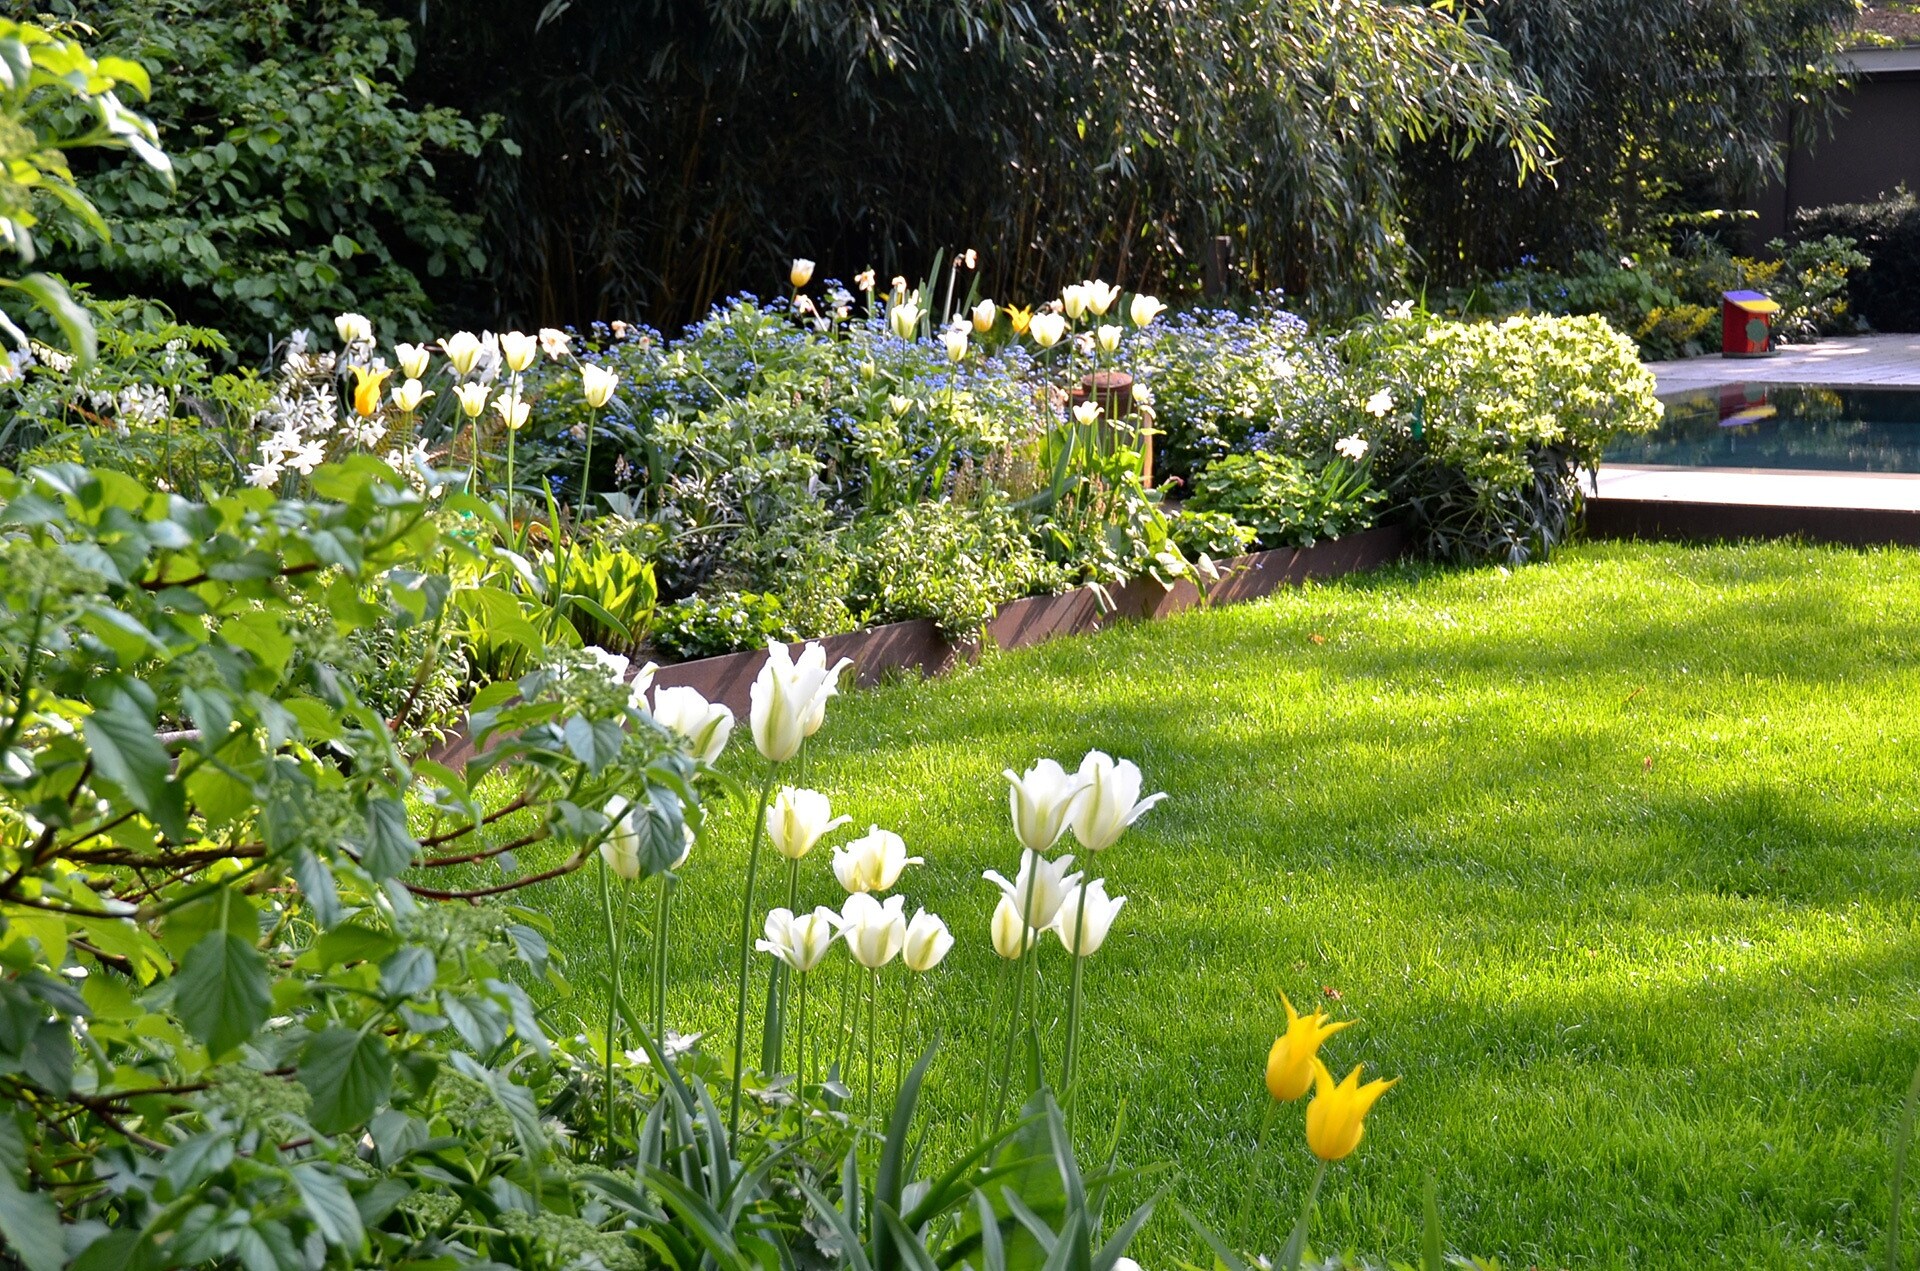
[{"x": 1613, "y": 858}]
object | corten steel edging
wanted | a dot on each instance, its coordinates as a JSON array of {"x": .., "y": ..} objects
[
  {"x": 918, "y": 646},
  {"x": 1685, "y": 521}
]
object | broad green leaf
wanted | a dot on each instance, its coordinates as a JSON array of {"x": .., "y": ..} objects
[
  {"x": 31, "y": 1223},
  {"x": 330, "y": 1205},
  {"x": 349, "y": 1074},
  {"x": 221, "y": 992},
  {"x": 127, "y": 753}
]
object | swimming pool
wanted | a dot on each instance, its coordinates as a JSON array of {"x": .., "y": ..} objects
[{"x": 1783, "y": 426}]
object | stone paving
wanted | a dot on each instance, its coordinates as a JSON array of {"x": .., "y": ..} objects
[{"x": 1851, "y": 362}]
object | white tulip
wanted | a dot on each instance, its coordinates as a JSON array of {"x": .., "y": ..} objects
[
  {"x": 800, "y": 940},
  {"x": 353, "y": 328},
  {"x": 1100, "y": 297},
  {"x": 513, "y": 411},
  {"x": 875, "y": 931},
  {"x": 409, "y": 395},
  {"x": 790, "y": 698},
  {"x": 686, "y": 850},
  {"x": 927, "y": 942},
  {"x": 898, "y": 405},
  {"x": 873, "y": 861},
  {"x": 1112, "y": 801},
  {"x": 798, "y": 819},
  {"x": 904, "y": 318},
  {"x": 1040, "y": 888},
  {"x": 413, "y": 359},
  {"x": 519, "y": 350},
  {"x": 956, "y": 342},
  {"x": 1011, "y": 936},
  {"x": 597, "y": 384},
  {"x": 1042, "y": 799},
  {"x": 1108, "y": 338},
  {"x": 472, "y": 398},
  {"x": 1144, "y": 310},
  {"x": 705, "y": 726},
  {"x": 1086, "y": 413},
  {"x": 462, "y": 350},
  {"x": 983, "y": 316},
  {"x": 1083, "y": 938},
  {"x": 801, "y": 272},
  {"x": 1047, "y": 329},
  {"x": 1073, "y": 298},
  {"x": 621, "y": 848}
]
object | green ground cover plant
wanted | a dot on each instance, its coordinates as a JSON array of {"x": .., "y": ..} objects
[{"x": 1612, "y": 856}]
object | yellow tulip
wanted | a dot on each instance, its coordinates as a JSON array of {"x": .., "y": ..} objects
[
  {"x": 1337, "y": 1116},
  {"x": 366, "y": 390},
  {"x": 1019, "y": 318},
  {"x": 1290, "y": 1062}
]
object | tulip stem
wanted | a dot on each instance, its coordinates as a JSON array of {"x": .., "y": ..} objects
[
  {"x": 1070, "y": 1062},
  {"x": 613, "y": 996},
  {"x": 586, "y": 469},
  {"x": 900, "y": 1052},
  {"x": 986, "y": 1077},
  {"x": 873, "y": 1011},
  {"x": 1027, "y": 946},
  {"x": 746, "y": 944},
  {"x": 781, "y": 973},
  {"x": 664, "y": 915},
  {"x": 1297, "y": 1242}
]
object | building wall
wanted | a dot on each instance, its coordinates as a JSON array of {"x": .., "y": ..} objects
[{"x": 1874, "y": 146}]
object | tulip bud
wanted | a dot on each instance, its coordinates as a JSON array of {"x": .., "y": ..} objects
[
  {"x": 1109, "y": 338},
  {"x": 790, "y": 698},
  {"x": 1041, "y": 799},
  {"x": 904, "y": 317},
  {"x": 872, "y": 862},
  {"x": 366, "y": 391},
  {"x": 409, "y": 395},
  {"x": 1039, "y": 889},
  {"x": 927, "y": 942},
  {"x": 1100, "y": 297},
  {"x": 1290, "y": 1062},
  {"x": 801, "y": 272},
  {"x": 1073, "y": 299},
  {"x": 1085, "y": 917},
  {"x": 413, "y": 359},
  {"x": 462, "y": 350},
  {"x": 875, "y": 931},
  {"x": 353, "y": 328},
  {"x": 597, "y": 384},
  {"x": 1011, "y": 936},
  {"x": 472, "y": 398},
  {"x": 518, "y": 350},
  {"x": 800, "y": 940},
  {"x": 898, "y": 405},
  {"x": 621, "y": 848},
  {"x": 983, "y": 315},
  {"x": 1145, "y": 309}
]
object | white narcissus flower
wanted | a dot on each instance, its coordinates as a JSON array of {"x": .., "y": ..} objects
[
  {"x": 1100, "y": 296},
  {"x": 1086, "y": 413},
  {"x": 597, "y": 384},
  {"x": 518, "y": 349},
  {"x": 1041, "y": 799},
  {"x": 1085, "y": 917},
  {"x": 1111, "y": 803},
  {"x": 1011, "y": 936},
  {"x": 1353, "y": 449},
  {"x": 800, "y": 940},
  {"x": 1108, "y": 337},
  {"x": 1380, "y": 403},
  {"x": 983, "y": 316},
  {"x": 472, "y": 398},
  {"x": 1047, "y": 329},
  {"x": 875, "y": 931},
  {"x": 408, "y": 395},
  {"x": 790, "y": 698},
  {"x": 413, "y": 359},
  {"x": 956, "y": 342},
  {"x": 353, "y": 328},
  {"x": 798, "y": 819},
  {"x": 554, "y": 342},
  {"x": 864, "y": 280},
  {"x": 904, "y": 318},
  {"x": 1144, "y": 310},
  {"x": 800, "y": 273},
  {"x": 1040, "y": 888},
  {"x": 463, "y": 351},
  {"x": 621, "y": 848},
  {"x": 872, "y": 862},
  {"x": 687, "y": 714},
  {"x": 927, "y": 942}
]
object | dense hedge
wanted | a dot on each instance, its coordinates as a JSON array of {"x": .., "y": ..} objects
[{"x": 1886, "y": 294}]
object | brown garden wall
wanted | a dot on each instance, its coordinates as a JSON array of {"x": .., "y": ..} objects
[{"x": 918, "y": 647}]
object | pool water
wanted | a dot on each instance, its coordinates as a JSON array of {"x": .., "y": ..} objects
[{"x": 1783, "y": 426}]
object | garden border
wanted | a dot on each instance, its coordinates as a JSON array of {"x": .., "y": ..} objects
[
  {"x": 1676, "y": 521},
  {"x": 880, "y": 652}
]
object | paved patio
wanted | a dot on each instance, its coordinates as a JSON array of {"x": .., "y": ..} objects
[{"x": 1852, "y": 362}]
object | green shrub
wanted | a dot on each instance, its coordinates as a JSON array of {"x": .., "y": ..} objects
[
  {"x": 1285, "y": 501},
  {"x": 954, "y": 564},
  {"x": 707, "y": 625},
  {"x": 1886, "y": 293}
]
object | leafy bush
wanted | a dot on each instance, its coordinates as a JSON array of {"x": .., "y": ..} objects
[
  {"x": 307, "y": 183},
  {"x": 1885, "y": 292},
  {"x": 1489, "y": 424},
  {"x": 706, "y": 625},
  {"x": 945, "y": 561},
  {"x": 1286, "y": 502}
]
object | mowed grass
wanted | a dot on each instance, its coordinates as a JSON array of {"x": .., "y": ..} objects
[{"x": 1614, "y": 859}]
